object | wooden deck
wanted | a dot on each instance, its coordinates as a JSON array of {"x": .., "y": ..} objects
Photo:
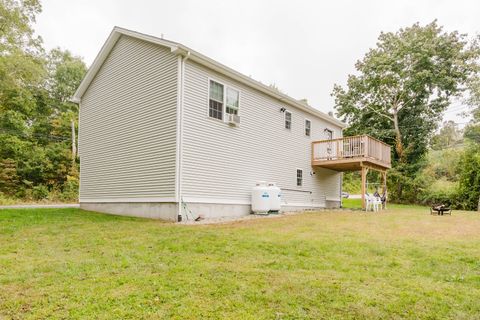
[{"x": 351, "y": 154}]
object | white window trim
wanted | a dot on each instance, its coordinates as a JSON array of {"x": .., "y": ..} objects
[
  {"x": 208, "y": 101},
  {"x": 224, "y": 106},
  {"x": 296, "y": 177},
  {"x": 285, "y": 119},
  {"x": 305, "y": 128}
]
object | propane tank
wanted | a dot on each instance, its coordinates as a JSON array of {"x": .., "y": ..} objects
[{"x": 260, "y": 198}]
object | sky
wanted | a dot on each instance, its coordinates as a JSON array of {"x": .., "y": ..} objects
[{"x": 303, "y": 47}]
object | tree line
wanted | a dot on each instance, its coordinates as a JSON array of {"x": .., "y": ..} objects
[{"x": 36, "y": 117}]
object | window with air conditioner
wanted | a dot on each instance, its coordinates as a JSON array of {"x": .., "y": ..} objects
[{"x": 223, "y": 102}]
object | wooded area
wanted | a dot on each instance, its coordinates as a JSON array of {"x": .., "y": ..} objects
[{"x": 36, "y": 118}]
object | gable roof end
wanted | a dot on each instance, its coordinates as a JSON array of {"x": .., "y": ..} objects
[{"x": 180, "y": 49}]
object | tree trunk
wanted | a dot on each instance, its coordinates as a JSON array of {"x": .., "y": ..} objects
[
  {"x": 478, "y": 206},
  {"x": 74, "y": 145},
  {"x": 399, "y": 190},
  {"x": 398, "y": 136}
]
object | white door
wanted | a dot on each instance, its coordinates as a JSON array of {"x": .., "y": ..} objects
[{"x": 331, "y": 150}]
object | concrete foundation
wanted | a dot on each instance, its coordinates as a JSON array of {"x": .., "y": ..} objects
[
  {"x": 330, "y": 204},
  {"x": 215, "y": 210},
  {"x": 164, "y": 211},
  {"x": 169, "y": 211}
]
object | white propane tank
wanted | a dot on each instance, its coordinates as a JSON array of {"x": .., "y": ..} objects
[
  {"x": 260, "y": 198},
  {"x": 275, "y": 196}
]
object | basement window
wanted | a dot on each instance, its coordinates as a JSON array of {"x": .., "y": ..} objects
[
  {"x": 299, "y": 177},
  {"x": 288, "y": 120},
  {"x": 308, "y": 127},
  {"x": 215, "y": 102}
]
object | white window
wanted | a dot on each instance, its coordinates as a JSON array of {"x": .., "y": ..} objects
[
  {"x": 232, "y": 101},
  {"x": 299, "y": 177},
  {"x": 215, "y": 102},
  {"x": 288, "y": 120},
  {"x": 308, "y": 126},
  {"x": 222, "y": 99}
]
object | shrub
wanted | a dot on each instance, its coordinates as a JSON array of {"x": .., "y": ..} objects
[
  {"x": 70, "y": 189},
  {"x": 469, "y": 189},
  {"x": 8, "y": 176},
  {"x": 39, "y": 192},
  {"x": 5, "y": 200},
  {"x": 449, "y": 198}
]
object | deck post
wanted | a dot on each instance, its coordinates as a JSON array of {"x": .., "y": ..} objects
[
  {"x": 364, "y": 182},
  {"x": 384, "y": 180}
]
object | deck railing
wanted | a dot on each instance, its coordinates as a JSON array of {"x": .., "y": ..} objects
[{"x": 350, "y": 148}]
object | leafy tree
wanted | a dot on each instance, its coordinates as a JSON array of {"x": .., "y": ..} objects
[
  {"x": 469, "y": 189},
  {"x": 8, "y": 175},
  {"x": 35, "y": 112},
  {"x": 448, "y": 136},
  {"x": 16, "y": 18},
  {"x": 66, "y": 71},
  {"x": 402, "y": 87},
  {"x": 472, "y": 131}
]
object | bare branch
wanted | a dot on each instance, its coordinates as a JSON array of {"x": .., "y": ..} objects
[{"x": 379, "y": 113}]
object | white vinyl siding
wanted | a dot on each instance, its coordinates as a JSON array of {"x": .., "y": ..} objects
[
  {"x": 127, "y": 136},
  {"x": 223, "y": 162}
]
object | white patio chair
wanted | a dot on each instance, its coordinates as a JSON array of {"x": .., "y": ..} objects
[
  {"x": 372, "y": 203},
  {"x": 368, "y": 202},
  {"x": 377, "y": 204}
]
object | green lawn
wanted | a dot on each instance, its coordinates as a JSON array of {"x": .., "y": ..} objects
[
  {"x": 351, "y": 203},
  {"x": 400, "y": 263}
]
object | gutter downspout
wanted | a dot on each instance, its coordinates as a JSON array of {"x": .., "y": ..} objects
[
  {"x": 182, "y": 60},
  {"x": 341, "y": 181}
]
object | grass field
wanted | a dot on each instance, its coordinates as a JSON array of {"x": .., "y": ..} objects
[{"x": 401, "y": 263}]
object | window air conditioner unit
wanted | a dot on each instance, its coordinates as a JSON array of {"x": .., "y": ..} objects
[{"x": 233, "y": 119}]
